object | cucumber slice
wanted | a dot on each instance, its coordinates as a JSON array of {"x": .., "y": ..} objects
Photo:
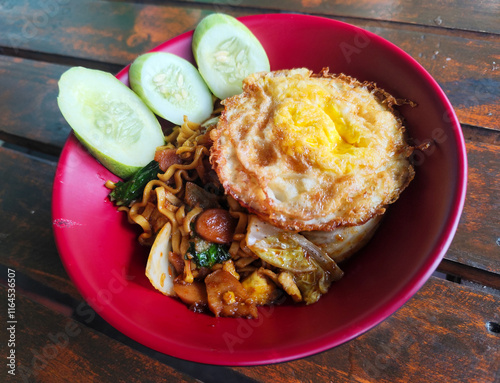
[
  {"x": 109, "y": 119},
  {"x": 171, "y": 86},
  {"x": 226, "y": 52}
]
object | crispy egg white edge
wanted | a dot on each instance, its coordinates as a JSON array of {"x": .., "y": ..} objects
[{"x": 243, "y": 187}]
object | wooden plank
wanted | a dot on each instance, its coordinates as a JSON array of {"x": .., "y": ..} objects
[
  {"x": 476, "y": 242},
  {"x": 104, "y": 31},
  {"x": 52, "y": 348},
  {"x": 26, "y": 238},
  {"x": 441, "y": 335},
  {"x": 488, "y": 136},
  {"x": 471, "y": 86},
  {"x": 29, "y": 113},
  {"x": 464, "y": 14},
  {"x": 466, "y": 66}
]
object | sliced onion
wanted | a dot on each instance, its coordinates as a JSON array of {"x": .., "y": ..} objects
[
  {"x": 323, "y": 260},
  {"x": 258, "y": 230},
  {"x": 210, "y": 122},
  {"x": 158, "y": 269}
]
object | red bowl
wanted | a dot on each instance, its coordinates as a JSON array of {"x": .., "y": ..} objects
[{"x": 100, "y": 252}]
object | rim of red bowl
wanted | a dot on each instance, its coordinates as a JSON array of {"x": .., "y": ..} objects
[{"x": 129, "y": 328}]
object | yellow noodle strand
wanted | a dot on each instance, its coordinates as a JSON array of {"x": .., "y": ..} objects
[
  {"x": 241, "y": 227},
  {"x": 176, "y": 242},
  {"x": 233, "y": 249},
  {"x": 172, "y": 137},
  {"x": 186, "y": 224},
  {"x": 179, "y": 217},
  {"x": 184, "y": 245}
]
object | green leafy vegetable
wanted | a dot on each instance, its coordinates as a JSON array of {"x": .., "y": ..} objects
[
  {"x": 215, "y": 253},
  {"x": 125, "y": 192}
]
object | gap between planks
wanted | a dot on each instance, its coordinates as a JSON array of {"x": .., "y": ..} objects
[
  {"x": 468, "y": 273},
  {"x": 54, "y": 58}
]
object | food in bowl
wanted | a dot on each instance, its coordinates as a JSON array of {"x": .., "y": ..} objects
[{"x": 261, "y": 201}]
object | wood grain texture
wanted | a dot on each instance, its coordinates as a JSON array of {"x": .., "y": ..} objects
[
  {"x": 52, "y": 348},
  {"x": 470, "y": 274},
  {"x": 476, "y": 242},
  {"x": 466, "y": 65},
  {"x": 463, "y": 14},
  {"x": 28, "y": 103},
  {"x": 26, "y": 238},
  {"x": 104, "y": 31},
  {"x": 440, "y": 335},
  {"x": 446, "y": 332},
  {"x": 487, "y": 136}
]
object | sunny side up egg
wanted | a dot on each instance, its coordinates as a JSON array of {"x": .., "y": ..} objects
[{"x": 311, "y": 152}]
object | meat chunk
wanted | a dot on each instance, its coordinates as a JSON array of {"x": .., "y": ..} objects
[
  {"x": 192, "y": 294},
  {"x": 289, "y": 285},
  {"x": 166, "y": 158},
  {"x": 216, "y": 225},
  {"x": 197, "y": 196},
  {"x": 227, "y": 297}
]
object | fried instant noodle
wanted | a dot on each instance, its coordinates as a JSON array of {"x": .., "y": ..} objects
[{"x": 164, "y": 201}]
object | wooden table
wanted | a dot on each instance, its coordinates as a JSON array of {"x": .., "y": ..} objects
[{"x": 449, "y": 331}]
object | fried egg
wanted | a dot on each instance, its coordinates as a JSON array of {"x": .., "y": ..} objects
[{"x": 311, "y": 152}]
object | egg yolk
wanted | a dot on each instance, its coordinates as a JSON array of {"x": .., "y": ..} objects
[{"x": 311, "y": 125}]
